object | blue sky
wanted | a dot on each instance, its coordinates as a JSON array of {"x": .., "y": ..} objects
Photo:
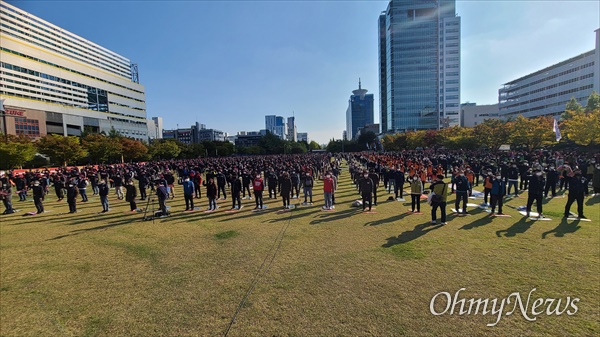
[{"x": 227, "y": 64}]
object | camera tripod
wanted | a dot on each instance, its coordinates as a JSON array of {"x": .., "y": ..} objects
[{"x": 146, "y": 217}]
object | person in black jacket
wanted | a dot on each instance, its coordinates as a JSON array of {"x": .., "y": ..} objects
[
  {"x": 72, "y": 192},
  {"x": 551, "y": 181},
  {"x": 130, "y": 195},
  {"x": 143, "y": 183},
  {"x": 38, "y": 196},
  {"x": 236, "y": 190},
  {"x": 375, "y": 178},
  {"x": 537, "y": 184},
  {"x": 246, "y": 181},
  {"x": 59, "y": 187},
  {"x": 103, "y": 190},
  {"x": 285, "y": 189},
  {"x": 577, "y": 190},
  {"x": 272, "y": 181},
  {"x": 162, "y": 194},
  {"x": 367, "y": 189},
  {"x": 221, "y": 182},
  {"x": 399, "y": 182}
]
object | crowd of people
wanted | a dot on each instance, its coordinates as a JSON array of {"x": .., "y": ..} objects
[{"x": 541, "y": 173}]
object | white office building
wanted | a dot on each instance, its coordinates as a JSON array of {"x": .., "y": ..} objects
[
  {"x": 547, "y": 91},
  {"x": 155, "y": 128},
  {"x": 473, "y": 114},
  {"x": 55, "y": 82}
]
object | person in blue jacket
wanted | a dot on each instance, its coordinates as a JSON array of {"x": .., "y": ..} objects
[
  {"x": 188, "y": 193},
  {"x": 498, "y": 192}
]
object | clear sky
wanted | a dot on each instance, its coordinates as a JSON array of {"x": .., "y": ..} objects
[{"x": 227, "y": 64}]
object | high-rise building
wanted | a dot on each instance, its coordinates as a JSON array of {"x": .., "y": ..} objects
[
  {"x": 359, "y": 112},
  {"x": 419, "y": 65},
  {"x": 547, "y": 91},
  {"x": 303, "y": 137},
  {"x": 276, "y": 125},
  {"x": 55, "y": 82},
  {"x": 292, "y": 132},
  {"x": 155, "y": 127}
]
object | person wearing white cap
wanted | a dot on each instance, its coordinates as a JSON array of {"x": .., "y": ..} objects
[{"x": 38, "y": 196}]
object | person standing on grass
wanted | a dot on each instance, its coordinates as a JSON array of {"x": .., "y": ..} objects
[
  {"x": 596, "y": 179},
  {"x": 162, "y": 194},
  {"x": 188, "y": 193},
  {"x": 375, "y": 178},
  {"x": 440, "y": 188},
  {"x": 307, "y": 186},
  {"x": 327, "y": 191},
  {"x": 130, "y": 195},
  {"x": 366, "y": 190},
  {"x": 416, "y": 190},
  {"x": 513, "y": 179},
  {"x": 72, "y": 193},
  {"x": 577, "y": 190},
  {"x": 103, "y": 190},
  {"x": 551, "y": 181},
  {"x": 59, "y": 186},
  {"x": 537, "y": 184},
  {"x": 462, "y": 191},
  {"x": 399, "y": 182},
  {"x": 285, "y": 189},
  {"x": 170, "y": 179},
  {"x": 258, "y": 186},
  {"x": 221, "y": 182},
  {"x": 236, "y": 191},
  {"x": 498, "y": 192},
  {"x": 82, "y": 183},
  {"x": 488, "y": 182},
  {"x": 38, "y": 196},
  {"x": 211, "y": 194}
]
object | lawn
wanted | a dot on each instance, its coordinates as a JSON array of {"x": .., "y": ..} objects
[{"x": 305, "y": 272}]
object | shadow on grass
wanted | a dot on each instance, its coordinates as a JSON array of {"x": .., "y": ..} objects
[
  {"x": 408, "y": 236},
  {"x": 85, "y": 230},
  {"x": 518, "y": 228},
  {"x": 593, "y": 200},
  {"x": 563, "y": 228},
  {"x": 333, "y": 216},
  {"x": 478, "y": 223},
  {"x": 388, "y": 220}
]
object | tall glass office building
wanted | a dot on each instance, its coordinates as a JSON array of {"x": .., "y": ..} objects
[
  {"x": 360, "y": 111},
  {"x": 419, "y": 65},
  {"x": 55, "y": 82}
]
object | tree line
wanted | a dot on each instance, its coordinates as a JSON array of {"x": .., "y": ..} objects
[
  {"x": 578, "y": 126},
  {"x": 100, "y": 148}
]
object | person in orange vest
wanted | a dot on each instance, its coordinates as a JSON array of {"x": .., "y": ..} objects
[
  {"x": 471, "y": 178},
  {"x": 487, "y": 186}
]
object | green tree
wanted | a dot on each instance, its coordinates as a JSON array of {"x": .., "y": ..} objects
[
  {"x": 297, "y": 147},
  {"x": 271, "y": 143},
  {"x": 15, "y": 151},
  {"x": 593, "y": 102},
  {"x": 571, "y": 107},
  {"x": 101, "y": 148},
  {"x": 314, "y": 145},
  {"x": 166, "y": 149},
  {"x": 133, "y": 149},
  {"x": 583, "y": 128},
  {"x": 415, "y": 139},
  {"x": 532, "y": 132},
  {"x": 61, "y": 149},
  {"x": 367, "y": 138},
  {"x": 492, "y": 133},
  {"x": 458, "y": 137}
]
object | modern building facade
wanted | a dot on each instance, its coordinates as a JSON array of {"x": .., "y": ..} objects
[
  {"x": 276, "y": 125},
  {"x": 368, "y": 128},
  {"x": 292, "y": 132},
  {"x": 303, "y": 137},
  {"x": 195, "y": 134},
  {"x": 360, "y": 111},
  {"x": 55, "y": 82},
  {"x": 547, "y": 91},
  {"x": 473, "y": 114},
  {"x": 419, "y": 65},
  {"x": 155, "y": 128}
]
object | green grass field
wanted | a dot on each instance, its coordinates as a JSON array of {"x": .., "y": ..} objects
[{"x": 340, "y": 273}]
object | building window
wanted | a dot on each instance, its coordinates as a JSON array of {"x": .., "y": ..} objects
[{"x": 27, "y": 127}]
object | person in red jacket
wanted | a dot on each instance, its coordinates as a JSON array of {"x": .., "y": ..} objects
[
  {"x": 258, "y": 185},
  {"x": 328, "y": 191}
]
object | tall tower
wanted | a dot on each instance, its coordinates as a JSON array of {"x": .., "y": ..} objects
[
  {"x": 360, "y": 111},
  {"x": 419, "y": 65}
]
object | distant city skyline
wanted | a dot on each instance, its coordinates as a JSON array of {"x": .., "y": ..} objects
[{"x": 228, "y": 64}]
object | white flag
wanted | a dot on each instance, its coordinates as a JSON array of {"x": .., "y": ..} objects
[{"x": 556, "y": 131}]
